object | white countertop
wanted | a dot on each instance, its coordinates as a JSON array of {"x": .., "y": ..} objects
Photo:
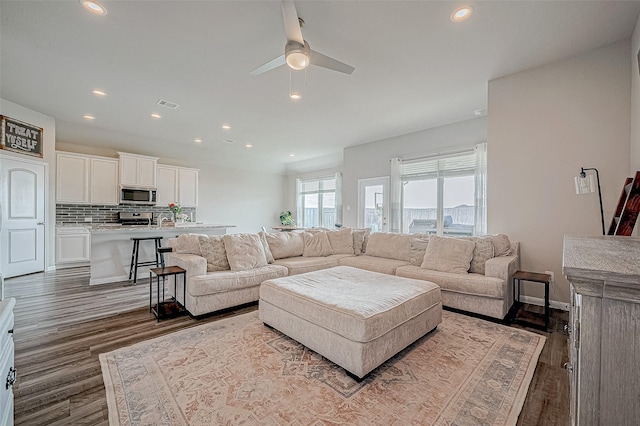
[{"x": 154, "y": 228}]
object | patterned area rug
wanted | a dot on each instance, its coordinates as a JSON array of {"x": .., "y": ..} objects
[{"x": 237, "y": 371}]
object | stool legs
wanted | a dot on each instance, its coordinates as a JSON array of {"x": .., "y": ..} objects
[{"x": 134, "y": 252}]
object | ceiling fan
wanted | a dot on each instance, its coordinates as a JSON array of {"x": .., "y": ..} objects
[{"x": 297, "y": 53}]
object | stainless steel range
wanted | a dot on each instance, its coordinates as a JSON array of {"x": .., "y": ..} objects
[{"x": 128, "y": 218}]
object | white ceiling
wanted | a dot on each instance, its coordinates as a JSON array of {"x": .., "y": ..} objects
[{"x": 414, "y": 68}]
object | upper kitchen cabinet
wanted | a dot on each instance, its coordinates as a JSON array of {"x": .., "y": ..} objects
[
  {"x": 137, "y": 170},
  {"x": 72, "y": 178},
  {"x": 177, "y": 185},
  {"x": 86, "y": 179},
  {"x": 104, "y": 181}
]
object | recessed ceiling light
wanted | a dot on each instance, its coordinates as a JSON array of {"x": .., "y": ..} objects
[
  {"x": 155, "y": 115},
  {"x": 197, "y": 140},
  {"x": 98, "y": 92},
  {"x": 292, "y": 155},
  {"x": 88, "y": 117},
  {"x": 461, "y": 13},
  {"x": 226, "y": 127},
  {"x": 477, "y": 112},
  {"x": 94, "y": 7},
  {"x": 295, "y": 96},
  {"x": 249, "y": 145}
]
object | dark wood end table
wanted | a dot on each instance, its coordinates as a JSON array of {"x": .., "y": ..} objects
[
  {"x": 172, "y": 307},
  {"x": 535, "y": 277}
]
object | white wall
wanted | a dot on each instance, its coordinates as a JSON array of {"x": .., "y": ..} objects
[
  {"x": 635, "y": 101},
  {"x": 48, "y": 125},
  {"x": 245, "y": 198},
  {"x": 544, "y": 124},
  {"x": 372, "y": 159}
]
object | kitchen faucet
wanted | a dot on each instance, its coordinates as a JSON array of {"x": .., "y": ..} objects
[{"x": 160, "y": 219}]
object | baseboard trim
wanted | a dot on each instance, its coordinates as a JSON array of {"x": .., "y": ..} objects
[{"x": 539, "y": 301}]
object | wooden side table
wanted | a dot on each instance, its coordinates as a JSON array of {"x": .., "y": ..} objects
[
  {"x": 167, "y": 308},
  {"x": 535, "y": 277}
]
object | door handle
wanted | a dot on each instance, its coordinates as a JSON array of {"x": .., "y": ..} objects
[{"x": 40, "y": 223}]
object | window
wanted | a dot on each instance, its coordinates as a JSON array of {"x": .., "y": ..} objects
[
  {"x": 318, "y": 202},
  {"x": 444, "y": 194}
]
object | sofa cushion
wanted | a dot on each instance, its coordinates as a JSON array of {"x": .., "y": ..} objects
[
  {"x": 265, "y": 245},
  {"x": 375, "y": 264},
  {"x": 224, "y": 281},
  {"x": 189, "y": 244},
  {"x": 285, "y": 244},
  {"x": 446, "y": 254},
  {"x": 212, "y": 248},
  {"x": 407, "y": 247},
  {"x": 360, "y": 238},
  {"x": 301, "y": 264},
  {"x": 471, "y": 284},
  {"x": 501, "y": 244},
  {"x": 244, "y": 251},
  {"x": 316, "y": 244},
  {"x": 417, "y": 248},
  {"x": 482, "y": 252},
  {"x": 341, "y": 241}
]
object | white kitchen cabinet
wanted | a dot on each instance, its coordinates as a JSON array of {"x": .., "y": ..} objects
[
  {"x": 137, "y": 170},
  {"x": 167, "y": 180},
  {"x": 72, "y": 178},
  {"x": 7, "y": 369},
  {"x": 73, "y": 246},
  {"x": 104, "y": 181},
  {"x": 177, "y": 184}
]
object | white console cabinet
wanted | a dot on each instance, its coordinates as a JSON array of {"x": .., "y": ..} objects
[
  {"x": 86, "y": 179},
  {"x": 73, "y": 246},
  {"x": 137, "y": 170},
  {"x": 7, "y": 369},
  {"x": 604, "y": 329},
  {"x": 177, "y": 184}
]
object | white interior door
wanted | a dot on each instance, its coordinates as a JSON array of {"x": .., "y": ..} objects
[
  {"x": 373, "y": 204},
  {"x": 22, "y": 225}
]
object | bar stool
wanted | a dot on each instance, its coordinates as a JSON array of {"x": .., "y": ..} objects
[{"x": 133, "y": 270}]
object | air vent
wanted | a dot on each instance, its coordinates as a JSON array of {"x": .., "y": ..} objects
[
  {"x": 228, "y": 141},
  {"x": 167, "y": 104}
]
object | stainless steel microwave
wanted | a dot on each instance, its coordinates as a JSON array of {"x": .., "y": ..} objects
[{"x": 141, "y": 196}]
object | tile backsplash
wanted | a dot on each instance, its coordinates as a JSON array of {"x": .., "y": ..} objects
[{"x": 76, "y": 213}]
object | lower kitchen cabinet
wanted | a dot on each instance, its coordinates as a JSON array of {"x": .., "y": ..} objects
[{"x": 73, "y": 246}]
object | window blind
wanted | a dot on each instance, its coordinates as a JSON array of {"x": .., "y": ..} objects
[{"x": 444, "y": 165}]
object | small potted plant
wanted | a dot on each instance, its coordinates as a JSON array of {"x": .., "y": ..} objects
[{"x": 286, "y": 218}]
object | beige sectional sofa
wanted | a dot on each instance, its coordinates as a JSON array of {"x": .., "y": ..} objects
[{"x": 474, "y": 273}]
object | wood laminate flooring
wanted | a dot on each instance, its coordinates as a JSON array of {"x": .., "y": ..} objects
[{"x": 62, "y": 324}]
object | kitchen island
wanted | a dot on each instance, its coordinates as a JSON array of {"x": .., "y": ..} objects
[{"x": 111, "y": 247}]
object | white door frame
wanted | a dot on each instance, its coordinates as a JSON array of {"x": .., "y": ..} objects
[
  {"x": 3, "y": 212},
  {"x": 362, "y": 184}
]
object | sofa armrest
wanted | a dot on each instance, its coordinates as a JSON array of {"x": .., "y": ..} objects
[
  {"x": 194, "y": 265},
  {"x": 503, "y": 267}
]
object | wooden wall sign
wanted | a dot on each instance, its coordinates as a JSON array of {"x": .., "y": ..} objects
[{"x": 21, "y": 137}]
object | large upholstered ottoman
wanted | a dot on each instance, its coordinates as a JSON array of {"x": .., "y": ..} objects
[{"x": 358, "y": 319}]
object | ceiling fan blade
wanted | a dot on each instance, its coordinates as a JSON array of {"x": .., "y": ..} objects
[
  {"x": 291, "y": 23},
  {"x": 274, "y": 63},
  {"x": 325, "y": 61}
]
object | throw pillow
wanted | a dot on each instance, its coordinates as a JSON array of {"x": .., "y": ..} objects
[
  {"x": 501, "y": 245},
  {"x": 390, "y": 246},
  {"x": 418, "y": 246},
  {"x": 189, "y": 244},
  {"x": 244, "y": 251},
  {"x": 341, "y": 241},
  {"x": 316, "y": 244},
  {"x": 265, "y": 245},
  {"x": 359, "y": 240},
  {"x": 212, "y": 249},
  {"x": 285, "y": 244},
  {"x": 482, "y": 252},
  {"x": 446, "y": 254}
]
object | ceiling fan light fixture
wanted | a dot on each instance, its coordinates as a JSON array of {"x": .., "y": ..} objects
[{"x": 297, "y": 56}]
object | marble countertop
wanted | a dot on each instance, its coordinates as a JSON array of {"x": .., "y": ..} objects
[
  {"x": 154, "y": 228},
  {"x": 608, "y": 258}
]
